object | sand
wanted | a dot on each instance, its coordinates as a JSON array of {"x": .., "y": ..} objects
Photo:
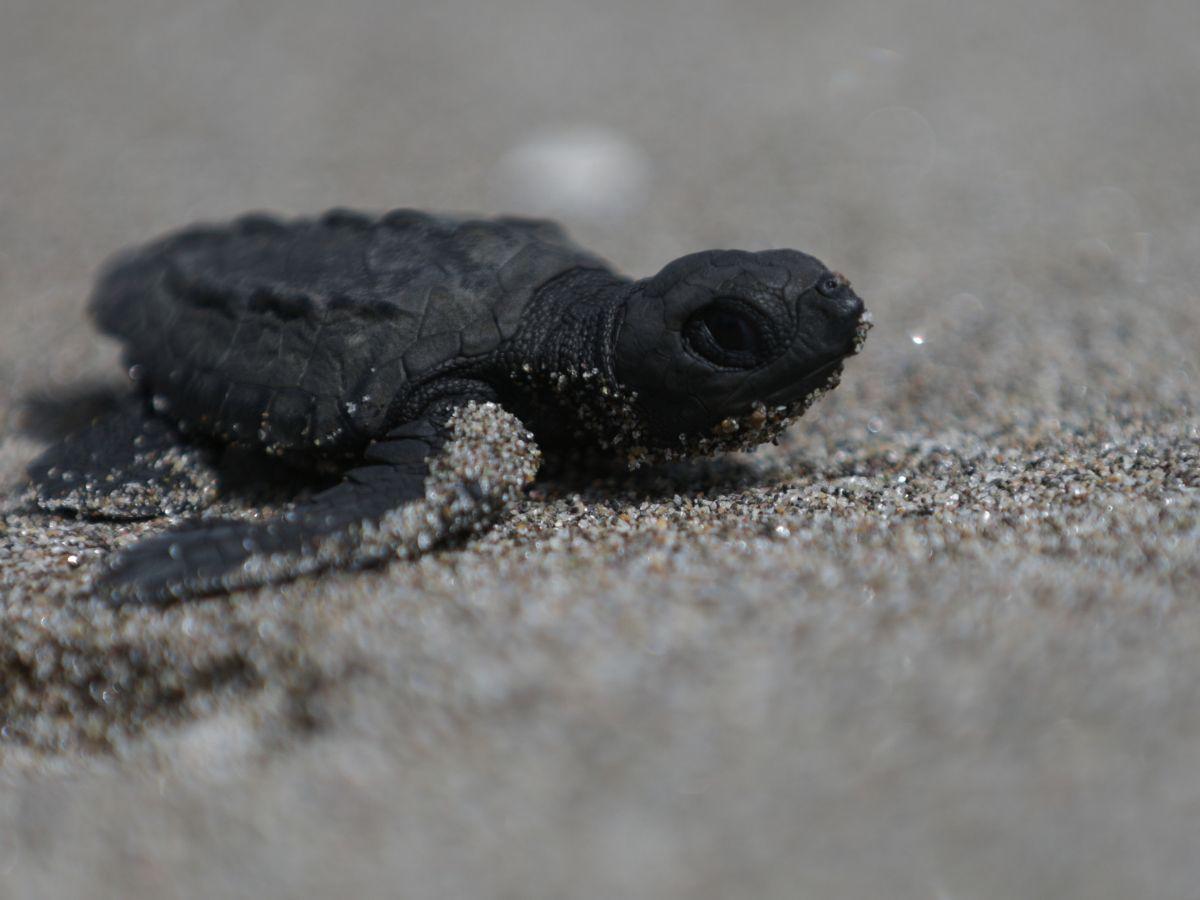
[{"x": 941, "y": 642}]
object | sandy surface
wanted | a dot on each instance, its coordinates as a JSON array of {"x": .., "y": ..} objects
[{"x": 941, "y": 643}]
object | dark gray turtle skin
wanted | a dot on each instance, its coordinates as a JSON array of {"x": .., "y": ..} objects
[{"x": 426, "y": 358}]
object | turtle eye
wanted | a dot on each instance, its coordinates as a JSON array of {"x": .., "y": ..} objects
[
  {"x": 725, "y": 336},
  {"x": 731, "y": 332}
]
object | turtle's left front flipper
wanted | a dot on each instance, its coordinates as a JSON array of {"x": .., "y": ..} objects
[{"x": 447, "y": 474}]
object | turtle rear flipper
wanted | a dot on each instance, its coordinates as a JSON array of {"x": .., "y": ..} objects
[
  {"x": 426, "y": 481},
  {"x": 125, "y": 464}
]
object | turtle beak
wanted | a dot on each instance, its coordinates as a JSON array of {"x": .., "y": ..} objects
[{"x": 802, "y": 387}]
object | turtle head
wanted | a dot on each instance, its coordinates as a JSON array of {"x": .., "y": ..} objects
[{"x": 723, "y": 348}]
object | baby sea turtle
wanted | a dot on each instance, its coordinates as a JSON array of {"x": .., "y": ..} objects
[{"x": 413, "y": 352}]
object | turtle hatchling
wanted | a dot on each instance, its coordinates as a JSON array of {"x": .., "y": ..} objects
[{"x": 426, "y": 358}]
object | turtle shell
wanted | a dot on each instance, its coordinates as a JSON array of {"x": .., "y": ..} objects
[{"x": 307, "y": 335}]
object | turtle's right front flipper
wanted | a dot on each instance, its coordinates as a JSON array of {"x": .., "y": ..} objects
[
  {"x": 126, "y": 464},
  {"x": 440, "y": 476}
]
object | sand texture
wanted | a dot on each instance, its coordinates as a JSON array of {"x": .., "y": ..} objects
[{"x": 942, "y": 642}]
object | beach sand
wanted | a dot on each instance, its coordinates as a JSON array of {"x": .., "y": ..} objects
[{"x": 942, "y": 642}]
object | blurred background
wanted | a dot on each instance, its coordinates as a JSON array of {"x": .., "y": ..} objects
[
  {"x": 937, "y": 153},
  {"x": 1014, "y": 188}
]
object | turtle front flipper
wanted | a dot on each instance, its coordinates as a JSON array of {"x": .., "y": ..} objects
[
  {"x": 447, "y": 474},
  {"x": 126, "y": 464}
]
